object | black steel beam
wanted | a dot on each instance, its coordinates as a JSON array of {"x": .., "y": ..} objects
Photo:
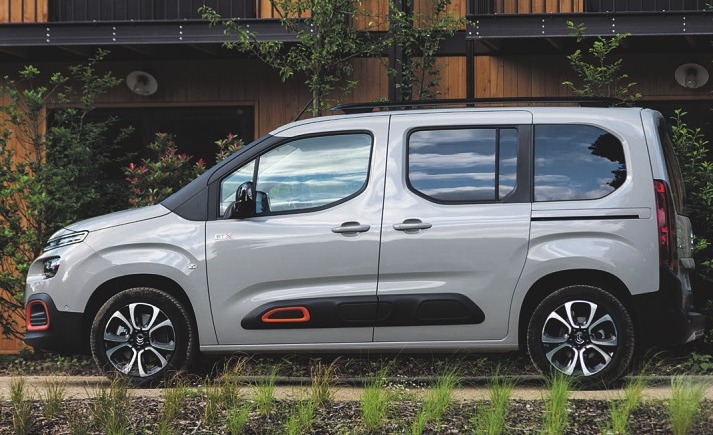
[
  {"x": 513, "y": 26},
  {"x": 132, "y": 33}
]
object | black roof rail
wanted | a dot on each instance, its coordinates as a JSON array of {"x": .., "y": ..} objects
[{"x": 471, "y": 102}]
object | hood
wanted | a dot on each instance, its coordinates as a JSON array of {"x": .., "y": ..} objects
[{"x": 118, "y": 218}]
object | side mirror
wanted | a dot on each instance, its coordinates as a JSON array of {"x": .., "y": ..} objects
[{"x": 244, "y": 204}]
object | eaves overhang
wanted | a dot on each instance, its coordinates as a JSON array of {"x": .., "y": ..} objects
[{"x": 107, "y": 33}]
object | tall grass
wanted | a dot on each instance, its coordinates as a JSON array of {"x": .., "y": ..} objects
[
  {"x": 436, "y": 402},
  {"x": 265, "y": 394},
  {"x": 21, "y": 407},
  {"x": 620, "y": 410},
  {"x": 491, "y": 419},
  {"x": 375, "y": 402},
  {"x": 111, "y": 406},
  {"x": 322, "y": 377},
  {"x": 237, "y": 420},
  {"x": 213, "y": 400},
  {"x": 174, "y": 397},
  {"x": 555, "y": 419},
  {"x": 685, "y": 404},
  {"x": 52, "y": 397},
  {"x": 302, "y": 417}
]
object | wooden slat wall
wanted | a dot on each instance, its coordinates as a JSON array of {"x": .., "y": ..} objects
[
  {"x": 538, "y": 6},
  {"x": 23, "y": 11}
]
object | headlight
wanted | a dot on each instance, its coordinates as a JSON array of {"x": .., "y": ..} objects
[
  {"x": 50, "y": 267},
  {"x": 66, "y": 239}
]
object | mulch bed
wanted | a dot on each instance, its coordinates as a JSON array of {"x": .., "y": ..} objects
[{"x": 525, "y": 417}]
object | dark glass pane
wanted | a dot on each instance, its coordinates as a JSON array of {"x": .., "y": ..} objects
[
  {"x": 576, "y": 162},
  {"x": 453, "y": 165},
  {"x": 508, "y": 162}
]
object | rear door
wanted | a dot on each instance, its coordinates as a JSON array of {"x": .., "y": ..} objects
[{"x": 456, "y": 225}]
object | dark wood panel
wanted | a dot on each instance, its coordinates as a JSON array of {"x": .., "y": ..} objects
[{"x": 144, "y": 10}]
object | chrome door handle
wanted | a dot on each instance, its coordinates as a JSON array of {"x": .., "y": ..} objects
[
  {"x": 351, "y": 227},
  {"x": 412, "y": 224}
]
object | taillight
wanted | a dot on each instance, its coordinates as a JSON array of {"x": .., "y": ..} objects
[{"x": 665, "y": 218}]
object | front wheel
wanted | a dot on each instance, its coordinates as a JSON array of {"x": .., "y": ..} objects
[
  {"x": 142, "y": 334},
  {"x": 581, "y": 331}
]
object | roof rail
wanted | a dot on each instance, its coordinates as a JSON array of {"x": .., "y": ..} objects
[{"x": 472, "y": 102}]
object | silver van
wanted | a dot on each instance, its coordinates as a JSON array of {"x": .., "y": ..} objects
[{"x": 555, "y": 229}]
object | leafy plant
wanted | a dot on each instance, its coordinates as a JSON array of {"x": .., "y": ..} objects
[
  {"x": 21, "y": 407},
  {"x": 420, "y": 36},
  {"x": 53, "y": 165},
  {"x": 694, "y": 157},
  {"x": 326, "y": 41},
  {"x": 556, "y": 414},
  {"x": 685, "y": 404},
  {"x": 166, "y": 170},
  {"x": 600, "y": 76},
  {"x": 491, "y": 419}
]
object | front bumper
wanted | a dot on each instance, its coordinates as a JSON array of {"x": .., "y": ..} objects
[
  {"x": 663, "y": 318},
  {"x": 60, "y": 332}
]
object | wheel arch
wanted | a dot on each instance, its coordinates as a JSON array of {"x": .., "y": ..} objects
[
  {"x": 557, "y": 280},
  {"x": 112, "y": 287}
]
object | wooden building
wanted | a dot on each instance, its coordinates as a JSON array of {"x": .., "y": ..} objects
[{"x": 510, "y": 48}]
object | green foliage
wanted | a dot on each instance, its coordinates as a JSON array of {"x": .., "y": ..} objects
[
  {"x": 52, "y": 397},
  {"x": 620, "y": 410},
  {"x": 302, "y": 417},
  {"x": 375, "y": 402},
  {"x": 265, "y": 394},
  {"x": 166, "y": 170},
  {"x": 491, "y": 419},
  {"x": 237, "y": 420},
  {"x": 685, "y": 404},
  {"x": 694, "y": 157},
  {"x": 556, "y": 414},
  {"x": 420, "y": 36},
  {"x": 163, "y": 173},
  {"x": 436, "y": 402},
  {"x": 600, "y": 76},
  {"x": 111, "y": 408},
  {"x": 326, "y": 42},
  {"x": 700, "y": 363},
  {"x": 53, "y": 165},
  {"x": 21, "y": 407},
  {"x": 322, "y": 376}
]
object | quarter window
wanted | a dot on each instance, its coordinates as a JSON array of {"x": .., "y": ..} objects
[
  {"x": 306, "y": 173},
  {"x": 576, "y": 162},
  {"x": 463, "y": 165}
]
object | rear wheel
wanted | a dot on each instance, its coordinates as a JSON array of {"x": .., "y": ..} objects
[
  {"x": 143, "y": 334},
  {"x": 582, "y": 331}
]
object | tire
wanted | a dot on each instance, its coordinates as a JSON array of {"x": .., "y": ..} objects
[
  {"x": 142, "y": 335},
  {"x": 595, "y": 344}
]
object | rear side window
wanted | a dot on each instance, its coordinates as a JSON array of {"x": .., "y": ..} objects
[
  {"x": 576, "y": 162},
  {"x": 463, "y": 165}
]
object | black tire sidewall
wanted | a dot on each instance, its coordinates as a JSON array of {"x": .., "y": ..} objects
[
  {"x": 182, "y": 356},
  {"x": 622, "y": 320}
]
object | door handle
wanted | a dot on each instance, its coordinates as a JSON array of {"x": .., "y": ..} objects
[
  {"x": 351, "y": 227},
  {"x": 412, "y": 224}
]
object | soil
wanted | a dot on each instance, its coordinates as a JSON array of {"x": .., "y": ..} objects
[{"x": 525, "y": 417}]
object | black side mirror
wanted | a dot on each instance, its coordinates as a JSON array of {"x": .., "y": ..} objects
[{"x": 244, "y": 205}]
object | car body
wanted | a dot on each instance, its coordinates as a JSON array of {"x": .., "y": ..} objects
[{"x": 478, "y": 229}]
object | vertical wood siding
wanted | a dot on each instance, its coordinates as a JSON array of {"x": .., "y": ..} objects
[{"x": 23, "y": 11}]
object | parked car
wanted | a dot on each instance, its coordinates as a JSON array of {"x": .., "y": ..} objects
[{"x": 555, "y": 229}]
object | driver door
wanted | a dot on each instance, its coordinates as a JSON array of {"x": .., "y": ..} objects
[{"x": 286, "y": 275}]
